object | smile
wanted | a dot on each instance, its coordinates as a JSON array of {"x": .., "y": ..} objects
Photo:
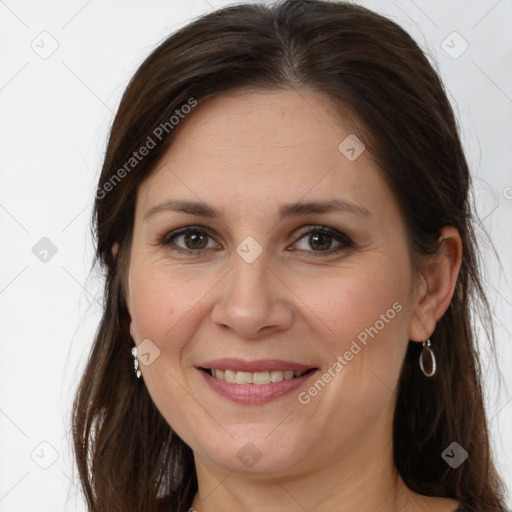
[
  {"x": 257, "y": 378},
  {"x": 254, "y": 382}
]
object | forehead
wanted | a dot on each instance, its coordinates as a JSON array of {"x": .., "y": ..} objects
[
  {"x": 251, "y": 148},
  {"x": 242, "y": 124}
]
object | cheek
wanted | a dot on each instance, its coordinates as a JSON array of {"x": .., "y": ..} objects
[
  {"x": 365, "y": 314},
  {"x": 167, "y": 306},
  {"x": 369, "y": 317},
  {"x": 357, "y": 303}
]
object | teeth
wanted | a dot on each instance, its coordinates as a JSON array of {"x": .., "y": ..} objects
[
  {"x": 276, "y": 376},
  {"x": 233, "y": 377},
  {"x": 243, "y": 377},
  {"x": 261, "y": 378},
  {"x": 229, "y": 376}
]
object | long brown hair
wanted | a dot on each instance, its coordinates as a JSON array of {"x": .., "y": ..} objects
[{"x": 128, "y": 457}]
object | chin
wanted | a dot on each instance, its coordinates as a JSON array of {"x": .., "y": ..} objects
[{"x": 255, "y": 452}]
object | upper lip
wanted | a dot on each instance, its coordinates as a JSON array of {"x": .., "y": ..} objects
[{"x": 259, "y": 365}]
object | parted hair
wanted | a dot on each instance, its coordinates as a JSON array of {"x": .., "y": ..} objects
[{"x": 128, "y": 457}]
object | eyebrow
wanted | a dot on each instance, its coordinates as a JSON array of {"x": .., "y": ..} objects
[{"x": 287, "y": 210}]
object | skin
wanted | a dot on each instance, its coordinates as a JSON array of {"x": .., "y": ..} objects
[{"x": 245, "y": 154}]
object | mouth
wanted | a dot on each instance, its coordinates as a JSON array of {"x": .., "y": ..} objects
[
  {"x": 255, "y": 382},
  {"x": 256, "y": 378}
]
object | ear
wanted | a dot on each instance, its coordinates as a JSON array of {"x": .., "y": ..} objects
[
  {"x": 438, "y": 282},
  {"x": 115, "y": 250}
]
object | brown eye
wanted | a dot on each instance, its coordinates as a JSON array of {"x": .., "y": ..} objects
[
  {"x": 189, "y": 241},
  {"x": 195, "y": 240},
  {"x": 321, "y": 240}
]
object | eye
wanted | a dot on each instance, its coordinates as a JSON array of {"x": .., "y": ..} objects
[
  {"x": 194, "y": 239},
  {"x": 321, "y": 239},
  {"x": 189, "y": 240}
]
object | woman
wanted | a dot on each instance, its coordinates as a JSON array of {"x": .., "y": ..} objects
[{"x": 283, "y": 220}]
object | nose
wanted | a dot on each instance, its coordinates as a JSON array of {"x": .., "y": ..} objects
[{"x": 253, "y": 301}]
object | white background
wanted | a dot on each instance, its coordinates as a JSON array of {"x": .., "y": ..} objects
[{"x": 55, "y": 113}]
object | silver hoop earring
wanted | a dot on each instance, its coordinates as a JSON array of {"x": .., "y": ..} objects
[
  {"x": 135, "y": 362},
  {"x": 427, "y": 360}
]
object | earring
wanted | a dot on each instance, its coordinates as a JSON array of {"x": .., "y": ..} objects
[
  {"x": 427, "y": 360},
  {"x": 135, "y": 362}
]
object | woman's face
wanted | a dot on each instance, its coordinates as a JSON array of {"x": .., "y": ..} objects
[{"x": 271, "y": 285}]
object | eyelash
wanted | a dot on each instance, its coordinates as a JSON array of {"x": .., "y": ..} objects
[{"x": 344, "y": 240}]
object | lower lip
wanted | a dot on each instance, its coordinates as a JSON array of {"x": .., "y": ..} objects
[{"x": 255, "y": 393}]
